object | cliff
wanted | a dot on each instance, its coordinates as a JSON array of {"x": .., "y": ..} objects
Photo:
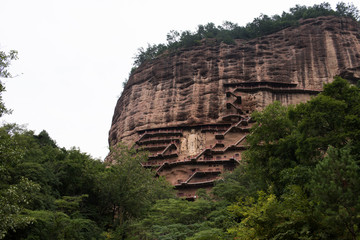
[{"x": 191, "y": 108}]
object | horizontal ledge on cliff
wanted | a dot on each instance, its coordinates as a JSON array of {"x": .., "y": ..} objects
[
  {"x": 209, "y": 171},
  {"x": 267, "y": 86},
  {"x": 263, "y": 83},
  {"x": 195, "y": 185},
  {"x": 157, "y": 140},
  {"x": 163, "y": 156},
  {"x": 193, "y": 161},
  {"x": 278, "y": 90},
  {"x": 179, "y": 129}
]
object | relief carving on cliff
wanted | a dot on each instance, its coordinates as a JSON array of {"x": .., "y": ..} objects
[{"x": 192, "y": 143}]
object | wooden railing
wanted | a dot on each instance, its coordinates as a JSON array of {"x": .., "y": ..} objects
[
  {"x": 277, "y": 89},
  {"x": 151, "y": 132}
]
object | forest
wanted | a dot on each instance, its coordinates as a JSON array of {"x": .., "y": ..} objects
[{"x": 299, "y": 179}]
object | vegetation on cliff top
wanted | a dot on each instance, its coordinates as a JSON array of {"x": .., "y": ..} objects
[{"x": 228, "y": 32}]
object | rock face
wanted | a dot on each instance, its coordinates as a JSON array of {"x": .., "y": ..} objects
[{"x": 191, "y": 109}]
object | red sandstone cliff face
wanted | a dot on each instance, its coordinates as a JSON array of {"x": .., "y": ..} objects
[
  {"x": 187, "y": 87},
  {"x": 191, "y": 109}
]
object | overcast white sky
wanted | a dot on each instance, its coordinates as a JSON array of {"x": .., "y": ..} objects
[{"x": 75, "y": 54}]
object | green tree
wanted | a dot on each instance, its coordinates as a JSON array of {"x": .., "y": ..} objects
[
  {"x": 31, "y": 184},
  {"x": 180, "y": 219},
  {"x": 13, "y": 203},
  {"x": 5, "y": 61},
  {"x": 332, "y": 118},
  {"x": 348, "y": 10},
  {"x": 64, "y": 222},
  {"x": 208, "y": 234},
  {"x": 307, "y": 190},
  {"x": 16, "y": 191},
  {"x": 268, "y": 217},
  {"x": 271, "y": 148},
  {"x": 335, "y": 187},
  {"x": 235, "y": 185},
  {"x": 127, "y": 190}
]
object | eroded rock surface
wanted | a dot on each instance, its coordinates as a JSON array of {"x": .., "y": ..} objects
[{"x": 190, "y": 109}]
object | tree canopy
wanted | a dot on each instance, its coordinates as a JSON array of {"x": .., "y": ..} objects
[{"x": 228, "y": 31}]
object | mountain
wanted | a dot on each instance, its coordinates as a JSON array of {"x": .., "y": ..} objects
[{"x": 191, "y": 108}]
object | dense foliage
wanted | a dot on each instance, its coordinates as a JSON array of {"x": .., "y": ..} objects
[
  {"x": 228, "y": 32},
  {"x": 47, "y": 192}
]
